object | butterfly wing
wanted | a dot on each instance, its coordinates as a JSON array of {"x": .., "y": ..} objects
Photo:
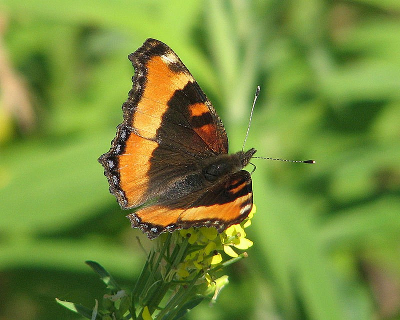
[
  {"x": 224, "y": 204},
  {"x": 169, "y": 124}
]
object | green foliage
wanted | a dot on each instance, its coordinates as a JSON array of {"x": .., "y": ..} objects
[
  {"x": 326, "y": 235},
  {"x": 182, "y": 269}
]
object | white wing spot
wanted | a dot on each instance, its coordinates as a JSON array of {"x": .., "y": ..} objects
[
  {"x": 169, "y": 58},
  {"x": 245, "y": 209}
]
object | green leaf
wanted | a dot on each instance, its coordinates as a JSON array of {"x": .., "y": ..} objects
[
  {"x": 77, "y": 308},
  {"x": 104, "y": 275},
  {"x": 186, "y": 308}
]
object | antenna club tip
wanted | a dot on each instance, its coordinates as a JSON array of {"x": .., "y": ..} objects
[{"x": 309, "y": 161}]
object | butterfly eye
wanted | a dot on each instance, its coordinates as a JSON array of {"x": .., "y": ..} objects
[{"x": 215, "y": 170}]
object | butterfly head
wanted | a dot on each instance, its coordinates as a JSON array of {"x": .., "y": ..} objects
[
  {"x": 245, "y": 157},
  {"x": 226, "y": 164}
]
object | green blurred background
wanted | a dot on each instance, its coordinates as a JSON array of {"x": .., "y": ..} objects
[{"x": 327, "y": 236}]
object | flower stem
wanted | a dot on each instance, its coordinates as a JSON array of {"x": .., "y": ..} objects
[{"x": 179, "y": 299}]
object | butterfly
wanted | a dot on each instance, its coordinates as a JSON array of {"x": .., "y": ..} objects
[{"x": 169, "y": 159}]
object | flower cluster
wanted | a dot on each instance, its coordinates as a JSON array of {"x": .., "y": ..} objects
[
  {"x": 207, "y": 246},
  {"x": 206, "y": 253},
  {"x": 181, "y": 270}
]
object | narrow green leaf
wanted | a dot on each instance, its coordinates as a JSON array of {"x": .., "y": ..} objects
[
  {"x": 104, "y": 275},
  {"x": 77, "y": 308}
]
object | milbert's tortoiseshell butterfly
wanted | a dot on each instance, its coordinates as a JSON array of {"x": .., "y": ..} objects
[{"x": 170, "y": 155}]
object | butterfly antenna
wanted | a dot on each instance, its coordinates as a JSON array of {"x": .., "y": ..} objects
[
  {"x": 286, "y": 160},
  {"x": 251, "y": 115}
]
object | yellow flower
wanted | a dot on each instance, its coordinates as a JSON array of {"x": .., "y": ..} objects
[
  {"x": 217, "y": 258},
  {"x": 235, "y": 236},
  {"x": 207, "y": 245}
]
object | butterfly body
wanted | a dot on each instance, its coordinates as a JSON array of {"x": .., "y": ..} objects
[{"x": 170, "y": 157}]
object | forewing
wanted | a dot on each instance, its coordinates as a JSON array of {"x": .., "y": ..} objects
[{"x": 169, "y": 125}]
